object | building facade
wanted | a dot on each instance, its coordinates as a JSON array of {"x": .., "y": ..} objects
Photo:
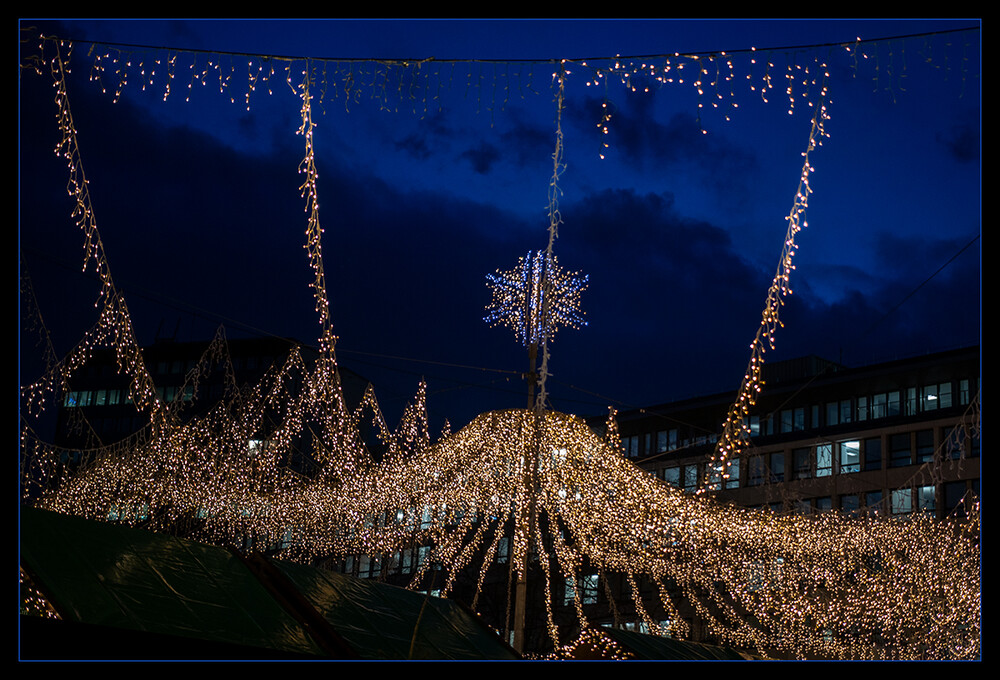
[
  {"x": 97, "y": 410},
  {"x": 896, "y": 438}
]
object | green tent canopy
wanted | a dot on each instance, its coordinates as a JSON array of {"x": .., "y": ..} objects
[{"x": 123, "y": 593}]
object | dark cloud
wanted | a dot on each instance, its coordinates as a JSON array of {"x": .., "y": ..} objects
[
  {"x": 531, "y": 144},
  {"x": 672, "y": 304},
  {"x": 414, "y": 145},
  {"x": 919, "y": 284},
  {"x": 672, "y": 143},
  {"x": 962, "y": 142},
  {"x": 430, "y": 134},
  {"x": 482, "y": 157}
]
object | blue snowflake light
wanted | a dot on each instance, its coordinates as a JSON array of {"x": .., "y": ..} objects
[{"x": 535, "y": 298}]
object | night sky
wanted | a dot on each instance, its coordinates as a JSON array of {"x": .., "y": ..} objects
[{"x": 678, "y": 229}]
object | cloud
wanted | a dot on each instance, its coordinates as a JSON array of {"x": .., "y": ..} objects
[
  {"x": 482, "y": 158},
  {"x": 414, "y": 145},
  {"x": 531, "y": 144},
  {"x": 672, "y": 144},
  {"x": 962, "y": 142},
  {"x": 915, "y": 301}
]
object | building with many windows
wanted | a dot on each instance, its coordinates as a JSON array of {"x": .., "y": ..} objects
[
  {"x": 896, "y": 437},
  {"x": 97, "y": 409}
]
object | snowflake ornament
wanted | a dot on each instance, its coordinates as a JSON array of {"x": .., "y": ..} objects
[{"x": 535, "y": 298}]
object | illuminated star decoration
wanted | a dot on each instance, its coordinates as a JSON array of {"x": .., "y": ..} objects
[{"x": 536, "y": 297}]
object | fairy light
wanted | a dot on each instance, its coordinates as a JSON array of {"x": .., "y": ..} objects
[
  {"x": 735, "y": 432},
  {"x": 827, "y": 586},
  {"x": 518, "y": 298}
]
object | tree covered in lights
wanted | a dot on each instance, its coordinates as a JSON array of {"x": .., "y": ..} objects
[{"x": 536, "y": 487}]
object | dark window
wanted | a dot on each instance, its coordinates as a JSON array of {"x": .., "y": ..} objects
[
  {"x": 899, "y": 450},
  {"x": 873, "y": 454},
  {"x": 777, "y": 467},
  {"x": 849, "y": 504},
  {"x": 925, "y": 446},
  {"x": 802, "y": 463}
]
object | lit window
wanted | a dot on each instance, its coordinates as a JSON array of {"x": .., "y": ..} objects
[
  {"x": 901, "y": 502},
  {"x": 850, "y": 456},
  {"x": 926, "y": 499},
  {"x": 672, "y": 476},
  {"x": 929, "y": 398},
  {"x": 824, "y": 460},
  {"x": 944, "y": 395},
  {"x": 588, "y": 589},
  {"x": 733, "y": 474},
  {"x": 879, "y": 406}
]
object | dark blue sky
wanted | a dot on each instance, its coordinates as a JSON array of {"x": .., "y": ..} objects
[{"x": 678, "y": 229}]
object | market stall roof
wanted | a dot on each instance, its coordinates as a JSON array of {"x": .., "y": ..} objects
[
  {"x": 128, "y": 593},
  {"x": 608, "y": 643}
]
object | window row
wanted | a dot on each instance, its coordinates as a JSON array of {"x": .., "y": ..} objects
[
  {"x": 401, "y": 562},
  {"x": 829, "y": 458},
  {"x": 909, "y": 401},
  {"x": 81, "y": 398},
  {"x": 663, "y": 441},
  {"x": 925, "y": 498}
]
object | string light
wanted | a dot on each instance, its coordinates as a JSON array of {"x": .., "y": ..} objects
[
  {"x": 829, "y": 586},
  {"x": 518, "y": 298},
  {"x": 735, "y": 431}
]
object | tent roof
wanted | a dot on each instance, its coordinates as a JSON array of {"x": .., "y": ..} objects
[
  {"x": 649, "y": 647},
  {"x": 184, "y": 598}
]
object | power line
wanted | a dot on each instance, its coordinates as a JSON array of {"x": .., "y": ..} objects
[{"x": 452, "y": 60}]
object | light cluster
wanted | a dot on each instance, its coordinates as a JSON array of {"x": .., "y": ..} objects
[
  {"x": 735, "y": 431},
  {"x": 532, "y": 484},
  {"x": 827, "y": 586},
  {"x": 535, "y": 298}
]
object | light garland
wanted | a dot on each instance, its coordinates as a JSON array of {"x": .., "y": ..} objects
[
  {"x": 827, "y": 586},
  {"x": 535, "y": 298},
  {"x": 735, "y": 431}
]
